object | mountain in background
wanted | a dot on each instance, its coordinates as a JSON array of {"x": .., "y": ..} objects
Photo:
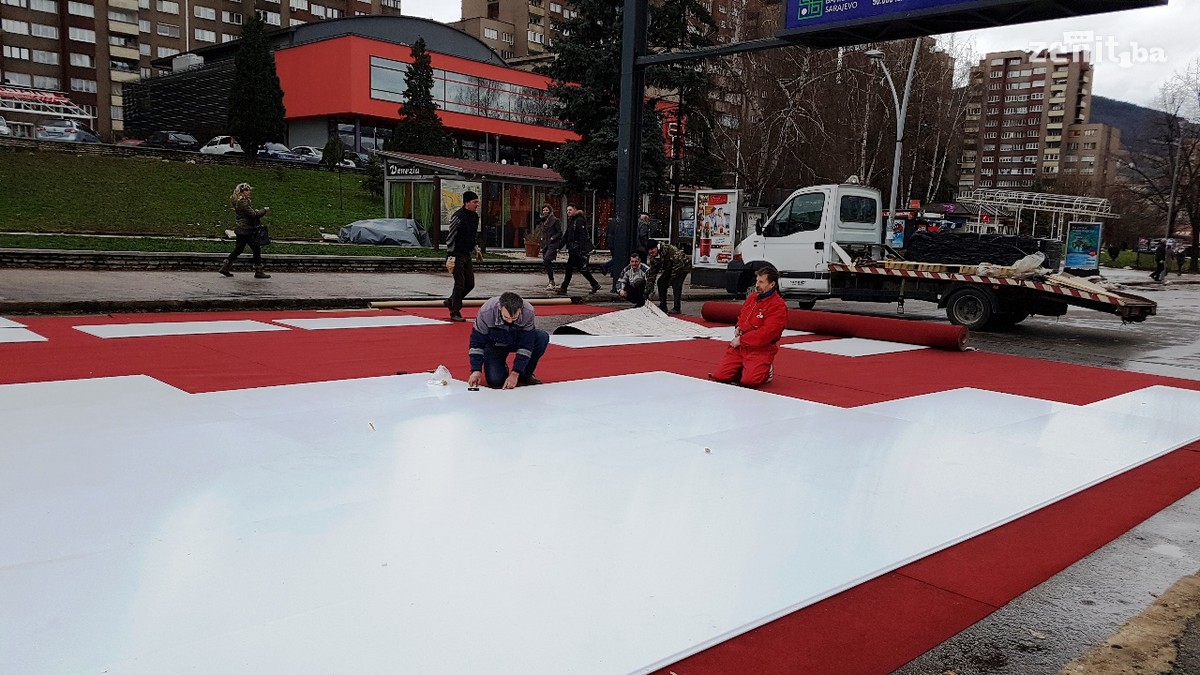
[{"x": 1138, "y": 124}]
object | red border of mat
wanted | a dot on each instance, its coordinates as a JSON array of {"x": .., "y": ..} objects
[{"x": 873, "y": 628}]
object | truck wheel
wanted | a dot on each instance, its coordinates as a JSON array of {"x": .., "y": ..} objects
[{"x": 969, "y": 307}]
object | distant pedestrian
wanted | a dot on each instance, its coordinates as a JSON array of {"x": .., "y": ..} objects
[
  {"x": 552, "y": 240},
  {"x": 1180, "y": 259},
  {"x": 1160, "y": 261},
  {"x": 505, "y": 325},
  {"x": 579, "y": 247},
  {"x": 643, "y": 232},
  {"x": 670, "y": 266},
  {"x": 249, "y": 220},
  {"x": 460, "y": 246},
  {"x": 632, "y": 283}
]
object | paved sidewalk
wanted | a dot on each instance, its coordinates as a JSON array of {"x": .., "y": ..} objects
[
  {"x": 33, "y": 291},
  {"x": 30, "y": 291}
]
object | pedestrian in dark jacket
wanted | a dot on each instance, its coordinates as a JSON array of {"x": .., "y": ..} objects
[
  {"x": 248, "y": 219},
  {"x": 552, "y": 240},
  {"x": 503, "y": 326},
  {"x": 670, "y": 266},
  {"x": 1160, "y": 261},
  {"x": 460, "y": 247},
  {"x": 579, "y": 246}
]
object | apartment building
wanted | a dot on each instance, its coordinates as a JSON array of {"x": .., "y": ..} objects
[
  {"x": 1028, "y": 123},
  {"x": 520, "y": 31},
  {"x": 90, "y": 50}
]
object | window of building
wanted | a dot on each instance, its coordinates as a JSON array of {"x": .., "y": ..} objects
[
  {"x": 556, "y": 8},
  {"x": 507, "y": 37},
  {"x": 167, "y": 6},
  {"x": 81, "y": 9},
  {"x": 271, "y": 18},
  {"x": 117, "y": 112},
  {"x": 14, "y": 27},
  {"x": 15, "y": 3},
  {"x": 19, "y": 79},
  {"x": 390, "y": 3},
  {"x": 83, "y": 60},
  {"x": 332, "y": 13},
  {"x": 232, "y": 18},
  {"x": 301, "y": 5},
  {"x": 46, "y": 82},
  {"x": 44, "y": 6},
  {"x": 490, "y": 33},
  {"x": 49, "y": 58},
  {"x": 536, "y": 38},
  {"x": 205, "y": 35},
  {"x": 51, "y": 32},
  {"x": 122, "y": 15},
  {"x": 296, "y": 22},
  {"x": 168, "y": 30},
  {"x": 318, "y": 10},
  {"x": 1089, "y": 132},
  {"x": 86, "y": 86},
  {"x": 226, "y": 37},
  {"x": 146, "y": 73},
  {"x": 166, "y": 51},
  {"x": 144, "y": 49},
  {"x": 535, "y": 20},
  {"x": 11, "y": 52},
  {"x": 202, "y": 12}
]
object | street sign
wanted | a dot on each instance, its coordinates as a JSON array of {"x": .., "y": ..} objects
[{"x": 846, "y": 22}]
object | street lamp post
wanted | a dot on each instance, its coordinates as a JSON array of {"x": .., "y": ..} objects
[
  {"x": 901, "y": 112},
  {"x": 1178, "y": 145}
]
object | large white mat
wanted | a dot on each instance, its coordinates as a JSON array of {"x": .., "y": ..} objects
[
  {"x": 386, "y": 525},
  {"x": 359, "y": 322},
  {"x": 853, "y": 347},
  {"x": 9, "y": 323},
  {"x": 11, "y": 334},
  {"x": 164, "y": 328}
]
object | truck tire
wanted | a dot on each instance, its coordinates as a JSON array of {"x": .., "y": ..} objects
[
  {"x": 1006, "y": 320},
  {"x": 806, "y": 304},
  {"x": 969, "y": 307}
]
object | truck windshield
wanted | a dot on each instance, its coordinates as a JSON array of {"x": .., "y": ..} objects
[{"x": 802, "y": 214}]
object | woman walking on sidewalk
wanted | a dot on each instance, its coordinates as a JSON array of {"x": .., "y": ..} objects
[{"x": 248, "y": 222}]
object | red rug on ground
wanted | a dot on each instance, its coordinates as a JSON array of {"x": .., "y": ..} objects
[
  {"x": 872, "y": 628},
  {"x": 939, "y": 335}
]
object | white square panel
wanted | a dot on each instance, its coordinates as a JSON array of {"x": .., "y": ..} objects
[
  {"x": 360, "y": 322},
  {"x": 1169, "y": 404},
  {"x": 725, "y": 333},
  {"x": 384, "y": 525},
  {"x": 853, "y": 347},
  {"x": 10, "y": 334},
  {"x": 163, "y": 328},
  {"x": 9, "y": 323},
  {"x": 960, "y": 409},
  {"x": 586, "y": 341}
]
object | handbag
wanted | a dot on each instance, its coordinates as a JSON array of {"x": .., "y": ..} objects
[{"x": 260, "y": 235}]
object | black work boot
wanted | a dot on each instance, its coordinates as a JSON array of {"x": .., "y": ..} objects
[
  {"x": 224, "y": 271},
  {"x": 260, "y": 274}
]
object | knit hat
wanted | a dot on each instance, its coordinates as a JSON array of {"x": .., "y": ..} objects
[
  {"x": 651, "y": 244},
  {"x": 469, "y": 196}
]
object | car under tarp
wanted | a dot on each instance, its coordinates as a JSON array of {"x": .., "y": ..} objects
[{"x": 393, "y": 231}]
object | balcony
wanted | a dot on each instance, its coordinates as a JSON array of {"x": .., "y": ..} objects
[
  {"x": 124, "y": 4},
  {"x": 124, "y": 76},
  {"x": 128, "y": 53},
  {"x": 122, "y": 28}
]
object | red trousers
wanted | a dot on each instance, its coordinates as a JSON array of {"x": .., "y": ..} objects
[{"x": 747, "y": 367}]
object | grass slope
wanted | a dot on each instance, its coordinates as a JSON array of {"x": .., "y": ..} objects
[{"x": 62, "y": 192}]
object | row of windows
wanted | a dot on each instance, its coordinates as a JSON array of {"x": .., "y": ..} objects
[
  {"x": 36, "y": 5},
  {"x": 35, "y": 81},
  {"x": 458, "y": 92}
]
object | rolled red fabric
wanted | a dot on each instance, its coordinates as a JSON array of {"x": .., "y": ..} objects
[{"x": 938, "y": 335}]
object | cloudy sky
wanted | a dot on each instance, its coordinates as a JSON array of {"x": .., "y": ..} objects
[{"x": 1134, "y": 52}]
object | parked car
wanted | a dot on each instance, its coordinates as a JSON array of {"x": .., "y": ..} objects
[
  {"x": 310, "y": 153},
  {"x": 278, "y": 151},
  {"x": 172, "y": 140},
  {"x": 70, "y": 131},
  {"x": 5, "y": 130},
  {"x": 222, "y": 145}
]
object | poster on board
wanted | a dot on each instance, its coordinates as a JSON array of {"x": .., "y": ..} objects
[
  {"x": 452, "y": 192},
  {"x": 716, "y": 218},
  {"x": 1083, "y": 247}
]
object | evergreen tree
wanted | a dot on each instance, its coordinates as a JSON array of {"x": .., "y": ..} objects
[
  {"x": 256, "y": 100},
  {"x": 420, "y": 130},
  {"x": 587, "y": 83}
]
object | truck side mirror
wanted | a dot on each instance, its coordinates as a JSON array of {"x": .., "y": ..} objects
[{"x": 758, "y": 228}]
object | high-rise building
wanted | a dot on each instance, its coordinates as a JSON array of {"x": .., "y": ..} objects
[
  {"x": 1028, "y": 125},
  {"x": 90, "y": 49},
  {"x": 519, "y": 30}
]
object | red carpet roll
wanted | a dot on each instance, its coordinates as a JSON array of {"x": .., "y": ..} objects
[{"x": 938, "y": 335}]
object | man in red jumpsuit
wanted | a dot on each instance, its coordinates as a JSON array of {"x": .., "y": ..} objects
[{"x": 756, "y": 339}]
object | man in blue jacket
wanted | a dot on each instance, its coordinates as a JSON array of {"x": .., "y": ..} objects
[{"x": 503, "y": 326}]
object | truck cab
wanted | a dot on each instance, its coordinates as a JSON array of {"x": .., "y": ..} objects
[{"x": 799, "y": 237}]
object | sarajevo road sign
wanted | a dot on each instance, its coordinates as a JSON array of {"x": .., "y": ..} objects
[{"x": 858, "y": 21}]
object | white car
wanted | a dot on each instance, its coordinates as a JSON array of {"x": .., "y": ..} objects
[
  {"x": 5, "y": 130},
  {"x": 221, "y": 145},
  {"x": 310, "y": 153}
]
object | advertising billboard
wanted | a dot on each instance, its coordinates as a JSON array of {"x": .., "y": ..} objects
[
  {"x": 1083, "y": 248},
  {"x": 716, "y": 218}
]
